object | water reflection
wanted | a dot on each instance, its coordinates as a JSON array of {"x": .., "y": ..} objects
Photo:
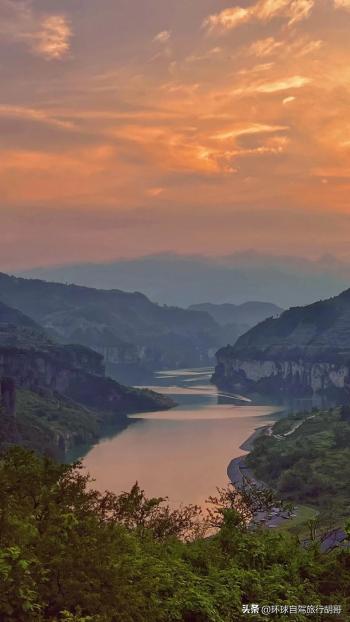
[{"x": 182, "y": 453}]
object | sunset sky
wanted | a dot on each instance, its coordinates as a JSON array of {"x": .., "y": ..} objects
[{"x": 131, "y": 127}]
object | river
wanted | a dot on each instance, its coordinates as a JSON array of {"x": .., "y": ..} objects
[{"x": 182, "y": 453}]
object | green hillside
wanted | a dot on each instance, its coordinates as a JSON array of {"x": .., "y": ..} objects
[
  {"x": 320, "y": 331},
  {"x": 310, "y": 464}
]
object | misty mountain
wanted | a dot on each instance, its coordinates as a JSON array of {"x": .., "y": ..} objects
[
  {"x": 187, "y": 280},
  {"x": 126, "y": 328},
  {"x": 245, "y": 315},
  {"x": 18, "y": 330}
]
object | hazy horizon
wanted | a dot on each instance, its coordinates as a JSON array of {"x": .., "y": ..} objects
[{"x": 191, "y": 279}]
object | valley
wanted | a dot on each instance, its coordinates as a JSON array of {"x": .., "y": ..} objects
[
  {"x": 193, "y": 442},
  {"x": 132, "y": 333}
]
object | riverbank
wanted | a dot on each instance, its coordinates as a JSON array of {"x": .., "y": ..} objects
[
  {"x": 239, "y": 474},
  {"x": 200, "y": 435},
  {"x": 296, "y": 441},
  {"x": 237, "y": 470}
]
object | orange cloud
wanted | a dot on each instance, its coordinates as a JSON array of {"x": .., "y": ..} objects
[
  {"x": 342, "y": 4},
  {"x": 265, "y": 47},
  {"x": 162, "y": 37},
  {"x": 228, "y": 19},
  {"x": 294, "y": 45},
  {"x": 255, "y": 128},
  {"x": 283, "y": 84},
  {"x": 77, "y": 175},
  {"x": 52, "y": 39},
  {"x": 48, "y": 36},
  {"x": 34, "y": 114},
  {"x": 294, "y": 82},
  {"x": 288, "y": 100},
  {"x": 264, "y": 10}
]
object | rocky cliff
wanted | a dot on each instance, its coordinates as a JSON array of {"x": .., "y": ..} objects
[
  {"x": 64, "y": 393},
  {"x": 304, "y": 351}
]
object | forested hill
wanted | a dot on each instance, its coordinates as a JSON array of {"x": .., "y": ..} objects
[
  {"x": 306, "y": 458},
  {"x": 317, "y": 330},
  {"x": 55, "y": 396},
  {"x": 304, "y": 351},
  {"x": 8, "y": 315},
  {"x": 127, "y": 328},
  {"x": 18, "y": 330}
]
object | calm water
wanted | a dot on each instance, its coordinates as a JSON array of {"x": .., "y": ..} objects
[{"x": 182, "y": 453}]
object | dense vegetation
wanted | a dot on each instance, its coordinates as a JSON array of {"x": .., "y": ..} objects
[
  {"x": 53, "y": 424},
  {"x": 60, "y": 394},
  {"x": 316, "y": 332},
  {"x": 71, "y": 554},
  {"x": 310, "y": 464}
]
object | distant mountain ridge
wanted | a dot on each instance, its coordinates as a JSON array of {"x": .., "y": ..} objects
[
  {"x": 184, "y": 280},
  {"x": 305, "y": 350},
  {"x": 246, "y": 314},
  {"x": 126, "y": 328}
]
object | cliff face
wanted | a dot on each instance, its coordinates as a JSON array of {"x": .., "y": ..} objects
[
  {"x": 65, "y": 398},
  {"x": 304, "y": 351},
  {"x": 55, "y": 368},
  {"x": 281, "y": 378}
]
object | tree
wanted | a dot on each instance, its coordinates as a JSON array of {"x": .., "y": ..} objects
[
  {"x": 70, "y": 554},
  {"x": 247, "y": 500}
]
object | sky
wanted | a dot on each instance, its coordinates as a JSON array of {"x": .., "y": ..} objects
[{"x": 134, "y": 127}]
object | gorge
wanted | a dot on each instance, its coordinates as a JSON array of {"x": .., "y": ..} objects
[{"x": 132, "y": 333}]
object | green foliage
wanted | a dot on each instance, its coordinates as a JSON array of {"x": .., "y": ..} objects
[
  {"x": 52, "y": 423},
  {"x": 312, "y": 464},
  {"x": 57, "y": 413},
  {"x": 245, "y": 500},
  {"x": 70, "y": 554}
]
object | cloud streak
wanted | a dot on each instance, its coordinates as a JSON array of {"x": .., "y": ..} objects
[
  {"x": 294, "y": 82},
  {"x": 34, "y": 114},
  {"x": 264, "y": 11}
]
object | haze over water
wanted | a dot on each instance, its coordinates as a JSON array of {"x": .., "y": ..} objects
[{"x": 182, "y": 453}]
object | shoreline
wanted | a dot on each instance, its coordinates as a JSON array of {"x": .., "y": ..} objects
[
  {"x": 248, "y": 444},
  {"x": 237, "y": 465},
  {"x": 237, "y": 470}
]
